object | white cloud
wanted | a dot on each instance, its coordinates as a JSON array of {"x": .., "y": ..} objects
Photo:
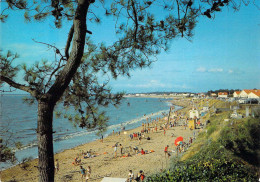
[
  {"x": 216, "y": 70},
  {"x": 211, "y": 70},
  {"x": 201, "y": 69},
  {"x": 150, "y": 84}
]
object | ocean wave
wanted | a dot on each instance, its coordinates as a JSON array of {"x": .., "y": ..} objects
[
  {"x": 30, "y": 145},
  {"x": 83, "y": 133},
  {"x": 72, "y": 135},
  {"x": 145, "y": 117}
]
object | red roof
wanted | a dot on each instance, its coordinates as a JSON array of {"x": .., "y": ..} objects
[
  {"x": 222, "y": 93},
  {"x": 248, "y": 91},
  {"x": 237, "y": 92},
  {"x": 256, "y": 92}
]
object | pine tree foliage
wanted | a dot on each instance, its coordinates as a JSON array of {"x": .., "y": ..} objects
[
  {"x": 72, "y": 78},
  {"x": 142, "y": 36}
]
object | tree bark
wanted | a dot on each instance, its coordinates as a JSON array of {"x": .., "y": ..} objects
[
  {"x": 47, "y": 101},
  {"x": 45, "y": 141},
  {"x": 78, "y": 44}
]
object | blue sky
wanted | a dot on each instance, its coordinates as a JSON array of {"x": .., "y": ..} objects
[{"x": 224, "y": 52}]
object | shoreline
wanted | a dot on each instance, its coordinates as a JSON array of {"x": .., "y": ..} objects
[
  {"x": 104, "y": 164},
  {"x": 71, "y": 140}
]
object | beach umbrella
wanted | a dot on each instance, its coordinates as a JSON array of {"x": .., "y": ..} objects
[{"x": 178, "y": 140}]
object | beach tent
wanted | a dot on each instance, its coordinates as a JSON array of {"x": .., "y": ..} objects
[
  {"x": 192, "y": 124},
  {"x": 111, "y": 179},
  {"x": 178, "y": 140}
]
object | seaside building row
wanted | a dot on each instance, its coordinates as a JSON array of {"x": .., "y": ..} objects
[
  {"x": 246, "y": 93},
  {"x": 255, "y": 94}
]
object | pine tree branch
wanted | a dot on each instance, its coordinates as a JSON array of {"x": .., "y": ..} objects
[
  {"x": 70, "y": 36},
  {"x": 74, "y": 61},
  {"x": 25, "y": 88},
  {"x": 54, "y": 47},
  {"x": 135, "y": 19}
]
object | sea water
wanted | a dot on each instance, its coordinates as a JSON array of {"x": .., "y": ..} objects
[{"x": 19, "y": 123}]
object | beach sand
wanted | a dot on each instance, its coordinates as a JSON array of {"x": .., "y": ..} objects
[{"x": 105, "y": 163}]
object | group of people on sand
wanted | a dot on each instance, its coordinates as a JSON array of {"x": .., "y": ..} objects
[
  {"x": 76, "y": 161},
  {"x": 127, "y": 152},
  {"x": 85, "y": 155},
  {"x": 85, "y": 174},
  {"x": 88, "y": 154},
  {"x": 138, "y": 178},
  {"x": 117, "y": 147}
]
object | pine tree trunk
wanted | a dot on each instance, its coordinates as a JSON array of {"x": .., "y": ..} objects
[
  {"x": 47, "y": 101},
  {"x": 45, "y": 141}
]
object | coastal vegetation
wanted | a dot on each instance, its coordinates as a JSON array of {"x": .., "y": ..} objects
[{"x": 226, "y": 150}]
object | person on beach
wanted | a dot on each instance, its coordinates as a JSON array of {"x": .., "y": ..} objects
[
  {"x": 139, "y": 139},
  {"x": 88, "y": 155},
  {"x": 88, "y": 173},
  {"x": 57, "y": 166},
  {"x": 131, "y": 136},
  {"x": 102, "y": 138},
  {"x": 76, "y": 162},
  {"x": 115, "y": 150},
  {"x": 142, "y": 151},
  {"x": 130, "y": 176},
  {"x": 140, "y": 176},
  {"x": 190, "y": 141},
  {"x": 83, "y": 172},
  {"x": 166, "y": 151},
  {"x": 121, "y": 149},
  {"x": 135, "y": 149}
]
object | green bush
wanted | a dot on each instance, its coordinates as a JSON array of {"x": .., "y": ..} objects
[
  {"x": 212, "y": 170},
  {"x": 243, "y": 140}
]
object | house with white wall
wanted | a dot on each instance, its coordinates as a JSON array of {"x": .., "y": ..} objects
[
  {"x": 236, "y": 94},
  {"x": 213, "y": 95},
  {"x": 223, "y": 94},
  {"x": 255, "y": 94},
  {"x": 244, "y": 93}
]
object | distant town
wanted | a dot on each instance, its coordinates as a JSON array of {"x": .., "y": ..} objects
[{"x": 243, "y": 96}]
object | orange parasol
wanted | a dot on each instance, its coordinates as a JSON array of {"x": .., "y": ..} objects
[{"x": 178, "y": 140}]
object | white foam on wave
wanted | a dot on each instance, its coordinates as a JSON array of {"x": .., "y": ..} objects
[
  {"x": 145, "y": 117},
  {"x": 30, "y": 145},
  {"x": 83, "y": 133}
]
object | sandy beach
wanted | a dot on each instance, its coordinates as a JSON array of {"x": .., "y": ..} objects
[{"x": 105, "y": 163}]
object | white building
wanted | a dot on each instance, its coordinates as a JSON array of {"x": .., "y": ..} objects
[
  {"x": 245, "y": 93},
  {"x": 236, "y": 94},
  {"x": 255, "y": 94},
  {"x": 213, "y": 95},
  {"x": 194, "y": 113},
  {"x": 223, "y": 94}
]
